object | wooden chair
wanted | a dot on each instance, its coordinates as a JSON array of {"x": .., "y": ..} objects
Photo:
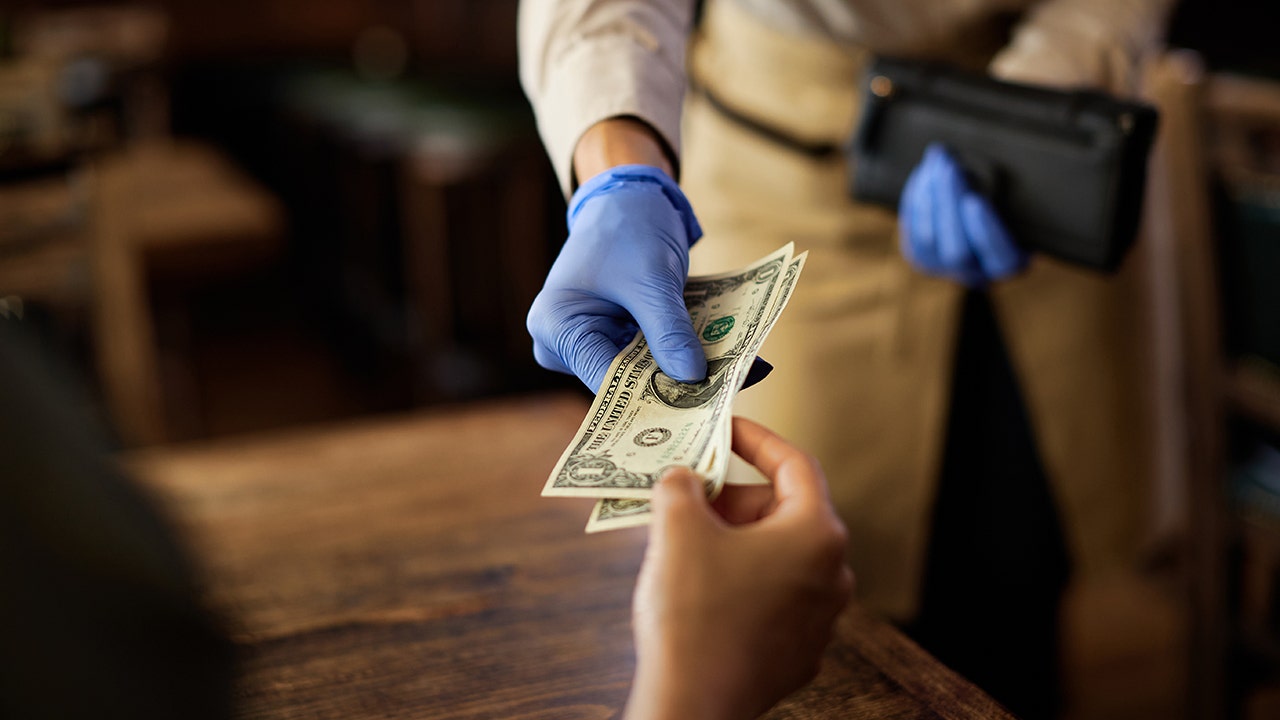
[
  {"x": 147, "y": 203},
  {"x": 1188, "y": 509},
  {"x": 1197, "y": 389},
  {"x": 167, "y": 204}
]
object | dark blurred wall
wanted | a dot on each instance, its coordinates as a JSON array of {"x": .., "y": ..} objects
[
  {"x": 476, "y": 34},
  {"x": 377, "y": 228},
  {"x": 1230, "y": 34},
  {"x": 471, "y": 36},
  {"x": 420, "y": 210}
]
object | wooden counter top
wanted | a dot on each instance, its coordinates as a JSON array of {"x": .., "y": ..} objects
[{"x": 407, "y": 568}]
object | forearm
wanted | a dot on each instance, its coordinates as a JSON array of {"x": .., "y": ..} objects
[
  {"x": 590, "y": 62},
  {"x": 619, "y": 141}
]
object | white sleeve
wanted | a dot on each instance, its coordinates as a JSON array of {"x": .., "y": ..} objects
[
  {"x": 582, "y": 61},
  {"x": 1084, "y": 43}
]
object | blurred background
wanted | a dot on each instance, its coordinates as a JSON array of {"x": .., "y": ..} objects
[
  {"x": 239, "y": 216},
  {"x": 243, "y": 215}
]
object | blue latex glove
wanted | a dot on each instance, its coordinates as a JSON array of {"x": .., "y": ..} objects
[
  {"x": 950, "y": 231},
  {"x": 624, "y": 266}
]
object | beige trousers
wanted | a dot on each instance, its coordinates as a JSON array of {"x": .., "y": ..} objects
[{"x": 863, "y": 353}]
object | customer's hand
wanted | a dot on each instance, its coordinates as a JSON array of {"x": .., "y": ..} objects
[
  {"x": 624, "y": 266},
  {"x": 735, "y": 604},
  {"x": 948, "y": 230}
]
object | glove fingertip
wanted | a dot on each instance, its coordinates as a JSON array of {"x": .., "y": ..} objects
[
  {"x": 669, "y": 330},
  {"x": 995, "y": 248},
  {"x": 686, "y": 366}
]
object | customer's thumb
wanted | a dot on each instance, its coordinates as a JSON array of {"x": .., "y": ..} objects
[{"x": 680, "y": 500}]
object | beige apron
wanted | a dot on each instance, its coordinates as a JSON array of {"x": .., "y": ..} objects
[{"x": 863, "y": 353}]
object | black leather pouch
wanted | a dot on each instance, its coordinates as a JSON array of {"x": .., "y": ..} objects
[{"x": 1065, "y": 169}]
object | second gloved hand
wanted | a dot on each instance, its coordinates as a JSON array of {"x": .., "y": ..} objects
[
  {"x": 623, "y": 267},
  {"x": 951, "y": 231}
]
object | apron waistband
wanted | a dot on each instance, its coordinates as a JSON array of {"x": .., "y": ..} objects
[{"x": 818, "y": 150}]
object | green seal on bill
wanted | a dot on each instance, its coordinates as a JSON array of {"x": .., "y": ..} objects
[{"x": 718, "y": 328}]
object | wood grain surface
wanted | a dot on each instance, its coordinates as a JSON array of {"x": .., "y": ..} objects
[{"x": 407, "y": 568}]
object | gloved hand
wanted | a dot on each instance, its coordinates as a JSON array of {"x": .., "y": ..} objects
[
  {"x": 624, "y": 265},
  {"x": 948, "y": 230}
]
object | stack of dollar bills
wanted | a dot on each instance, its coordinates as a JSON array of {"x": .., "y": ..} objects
[{"x": 643, "y": 422}]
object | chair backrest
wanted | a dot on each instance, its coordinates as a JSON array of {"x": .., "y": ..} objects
[{"x": 1188, "y": 520}]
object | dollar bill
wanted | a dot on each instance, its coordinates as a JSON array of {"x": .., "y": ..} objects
[
  {"x": 643, "y": 421},
  {"x": 617, "y": 513}
]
